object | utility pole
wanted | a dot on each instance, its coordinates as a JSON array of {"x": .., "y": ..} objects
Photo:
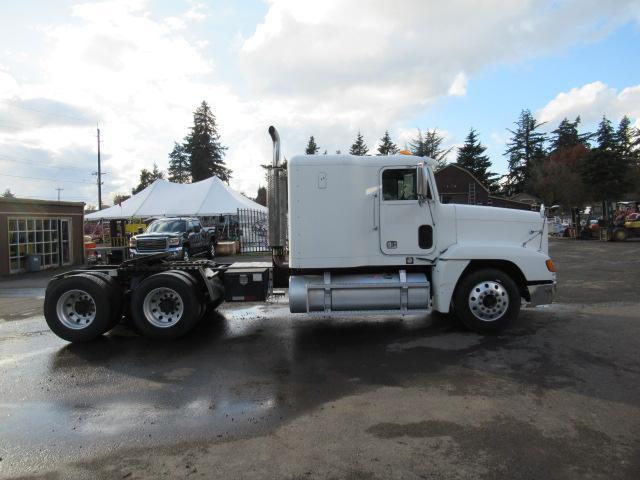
[
  {"x": 59, "y": 190},
  {"x": 99, "y": 174}
]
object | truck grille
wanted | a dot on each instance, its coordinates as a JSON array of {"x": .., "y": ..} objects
[{"x": 151, "y": 244}]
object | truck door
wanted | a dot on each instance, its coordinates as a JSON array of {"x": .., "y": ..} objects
[
  {"x": 195, "y": 233},
  {"x": 406, "y": 227}
]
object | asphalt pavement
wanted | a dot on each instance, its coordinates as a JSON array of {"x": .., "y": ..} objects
[{"x": 256, "y": 392}]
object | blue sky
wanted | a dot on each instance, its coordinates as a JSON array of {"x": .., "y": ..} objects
[{"x": 328, "y": 69}]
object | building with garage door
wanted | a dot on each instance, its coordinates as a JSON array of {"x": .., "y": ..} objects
[{"x": 49, "y": 230}]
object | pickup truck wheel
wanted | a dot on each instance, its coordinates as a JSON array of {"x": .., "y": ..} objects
[
  {"x": 211, "y": 250},
  {"x": 77, "y": 308},
  {"x": 487, "y": 300},
  {"x": 186, "y": 254},
  {"x": 165, "y": 306}
]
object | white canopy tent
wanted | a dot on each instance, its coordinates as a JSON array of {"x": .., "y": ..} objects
[{"x": 206, "y": 198}]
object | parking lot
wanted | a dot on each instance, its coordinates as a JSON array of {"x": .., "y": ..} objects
[{"x": 258, "y": 393}]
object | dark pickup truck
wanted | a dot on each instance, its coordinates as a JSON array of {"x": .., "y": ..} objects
[{"x": 182, "y": 237}]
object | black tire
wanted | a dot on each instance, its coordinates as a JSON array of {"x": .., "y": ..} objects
[
  {"x": 194, "y": 286},
  {"x": 184, "y": 296},
  {"x": 490, "y": 312},
  {"x": 116, "y": 296},
  {"x": 98, "y": 293}
]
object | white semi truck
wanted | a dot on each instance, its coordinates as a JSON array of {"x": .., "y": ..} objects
[{"x": 364, "y": 234}]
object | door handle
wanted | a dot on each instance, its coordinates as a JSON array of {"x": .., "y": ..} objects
[{"x": 375, "y": 218}]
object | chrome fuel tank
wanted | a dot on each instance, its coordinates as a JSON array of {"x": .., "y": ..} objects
[{"x": 402, "y": 292}]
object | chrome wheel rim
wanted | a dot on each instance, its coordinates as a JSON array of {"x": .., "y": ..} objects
[
  {"x": 212, "y": 250},
  {"x": 186, "y": 256},
  {"x": 163, "y": 307},
  {"x": 488, "y": 301},
  {"x": 76, "y": 309}
]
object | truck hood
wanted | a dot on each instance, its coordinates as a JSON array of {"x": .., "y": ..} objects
[
  {"x": 158, "y": 235},
  {"x": 493, "y": 225}
]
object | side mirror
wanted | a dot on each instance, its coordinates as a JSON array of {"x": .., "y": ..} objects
[{"x": 422, "y": 187}]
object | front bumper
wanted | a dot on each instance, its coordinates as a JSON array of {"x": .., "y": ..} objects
[
  {"x": 542, "y": 294},
  {"x": 176, "y": 252}
]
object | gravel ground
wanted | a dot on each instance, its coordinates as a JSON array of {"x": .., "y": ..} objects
[{"x": 258, "y": 393}]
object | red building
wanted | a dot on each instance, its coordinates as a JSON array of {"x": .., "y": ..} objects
[{"x": 457, "y": 185}]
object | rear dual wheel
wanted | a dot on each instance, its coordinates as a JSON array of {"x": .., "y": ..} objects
[
  {"x": 79, "y": 308},
  {"x": 166, "y": 305}
]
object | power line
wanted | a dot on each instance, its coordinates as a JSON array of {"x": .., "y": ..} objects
[
  {"x": 46, "y": 179},
  {"x": 5, "y": 158},
  {"x": 50, "y": 114}
]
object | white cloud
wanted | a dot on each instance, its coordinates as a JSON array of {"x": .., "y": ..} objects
[
  {"x": 326, "y": 69},
  {"x": 591, "y": 102},
  {"x": 458, "y": 87},
  {"x": 8, "y": 85}
]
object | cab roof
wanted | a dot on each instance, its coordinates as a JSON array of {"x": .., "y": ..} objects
[{"x": 363, "y": 160}]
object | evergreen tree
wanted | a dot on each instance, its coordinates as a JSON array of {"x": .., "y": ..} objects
[
  {"x": 312, "y": 147},
  {"x": 7, "y": 194},
  {"x": 429, "y": 145},
  {"x": 147, "y": 178},
  {"x": 607, "y": 169},
  {"x": 338, "y": 152},
  {"x": 471, "y": 157},
  {"x": 525, "y": 150},
  {"x": 179, "y": 165},
  {"x": 628, "y": 140},
  {"x": 567, "y": 135},
  {"x": 202, "y": 145},
  {"x": 359, "y": 147},
  {"x": 387, "y": 147}
]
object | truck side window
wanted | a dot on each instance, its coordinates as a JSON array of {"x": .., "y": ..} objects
[{"x": 399, "y": 184}]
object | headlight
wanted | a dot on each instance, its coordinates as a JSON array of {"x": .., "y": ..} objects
[
  {"x": 133, "y": 241},
  {"x": 173, "y": 242}
]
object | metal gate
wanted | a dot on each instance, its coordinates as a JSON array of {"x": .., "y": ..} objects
[{"x": 253, "y": 231}]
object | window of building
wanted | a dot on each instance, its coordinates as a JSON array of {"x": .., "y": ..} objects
[
  {"x": 46, "y": 237},
  {"x": 399, "y": 184}
]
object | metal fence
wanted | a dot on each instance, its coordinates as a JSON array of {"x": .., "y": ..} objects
[{"x": 253, "y": 231}]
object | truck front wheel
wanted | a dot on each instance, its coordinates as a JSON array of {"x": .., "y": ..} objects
[
  {"x": 487, "y": 300},
  {"x": 165, "y": 306}
]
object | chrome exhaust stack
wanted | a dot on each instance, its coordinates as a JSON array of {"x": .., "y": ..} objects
[{"x": 277, "y": 201}]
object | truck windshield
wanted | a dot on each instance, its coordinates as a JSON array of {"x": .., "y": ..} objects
[{"x": 160, "y": 226}]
